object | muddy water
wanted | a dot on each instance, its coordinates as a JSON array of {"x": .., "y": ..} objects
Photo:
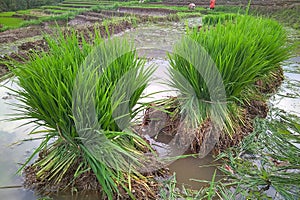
[
  {"x": 12, "y": 150},
  {"x": 152, "y": 42}
]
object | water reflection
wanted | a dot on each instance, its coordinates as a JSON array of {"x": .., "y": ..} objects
[{"x": 13, "y": 151}]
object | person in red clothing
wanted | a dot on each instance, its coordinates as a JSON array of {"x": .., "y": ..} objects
[{"x": 212, "y": 4}]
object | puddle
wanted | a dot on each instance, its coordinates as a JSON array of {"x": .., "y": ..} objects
[
  {"x": 12, "y": 150},
  {"x": 190, "y": 168}
]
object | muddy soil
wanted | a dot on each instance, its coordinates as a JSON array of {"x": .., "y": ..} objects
[
  {"x": 147, "y": 188},
  {"x": 30, "y": 31},
  {"x": 25, "y": 49},
  {"x": 147, "y": 11},
  {"x": 16, "y": 34}
]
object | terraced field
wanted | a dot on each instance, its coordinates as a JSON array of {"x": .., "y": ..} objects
[
  {"x": 116, "y": 18},
  {"x": 64, "y": 10}
]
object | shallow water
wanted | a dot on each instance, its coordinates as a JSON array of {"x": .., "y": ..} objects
[
  {"x": 12, "y": 150},
  {"x": 152, "y": 42},
  {"x": 288, "y": 96}
]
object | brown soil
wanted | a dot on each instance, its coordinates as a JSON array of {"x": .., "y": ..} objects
[
  {"x": 38, "y": 45},
  {"x": 271, "y": 83},
  {"x": 21, "y": 33}
]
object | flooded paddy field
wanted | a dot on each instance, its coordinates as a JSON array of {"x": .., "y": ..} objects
[{"x": 153, "y": 42}]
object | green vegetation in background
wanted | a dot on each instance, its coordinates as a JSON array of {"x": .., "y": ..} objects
[
  {"x": 11, "y": 22},
  {"x": 7, "y": 14},
  {"x": 244, "y": 51},
  {"x": 220, "y": 18},
  {"x": 48, "y": 83},
  {"x": 26, "y": 12},
  {"x": 65, "y": 14},
  {"x": 228, "y": 9},
  {"x": 13, "y": 5},
  {"x": 176, "y": 8},
  {"x": 58, "y": 8},
  {"x": 288, "y": 16}
]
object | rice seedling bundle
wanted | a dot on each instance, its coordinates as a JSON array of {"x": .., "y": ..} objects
[
  {"x": 243, "y": 51},
  {"x": 77, "y": 93}
]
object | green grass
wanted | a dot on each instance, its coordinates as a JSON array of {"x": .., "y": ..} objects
[
  {"x": 57, "y": 12},
  {"x": 183, "y": 15},
  {"x": 88, "y": 1},
  {"x": 7, "y": 14},
  {"x": 59, "y": 95},
  {"x": 11, "y": 21},
  {"x": 59, "y": 8},
  {"x": 81, "y": 3},
  {"x": 26, "y": 12},
  {"x": 63, "y": 13},
  {"x": 76, "y": 5}
]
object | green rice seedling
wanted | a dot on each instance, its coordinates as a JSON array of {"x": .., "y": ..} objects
[
  {"x": 59, "y": 95},
  {"x": 247, "y": 50},
  {"x": 242, "y": 51},
  {"x": 215, "y": 19}
]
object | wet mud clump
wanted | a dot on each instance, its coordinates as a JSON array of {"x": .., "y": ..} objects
[{"x": 146, "y": 188}]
